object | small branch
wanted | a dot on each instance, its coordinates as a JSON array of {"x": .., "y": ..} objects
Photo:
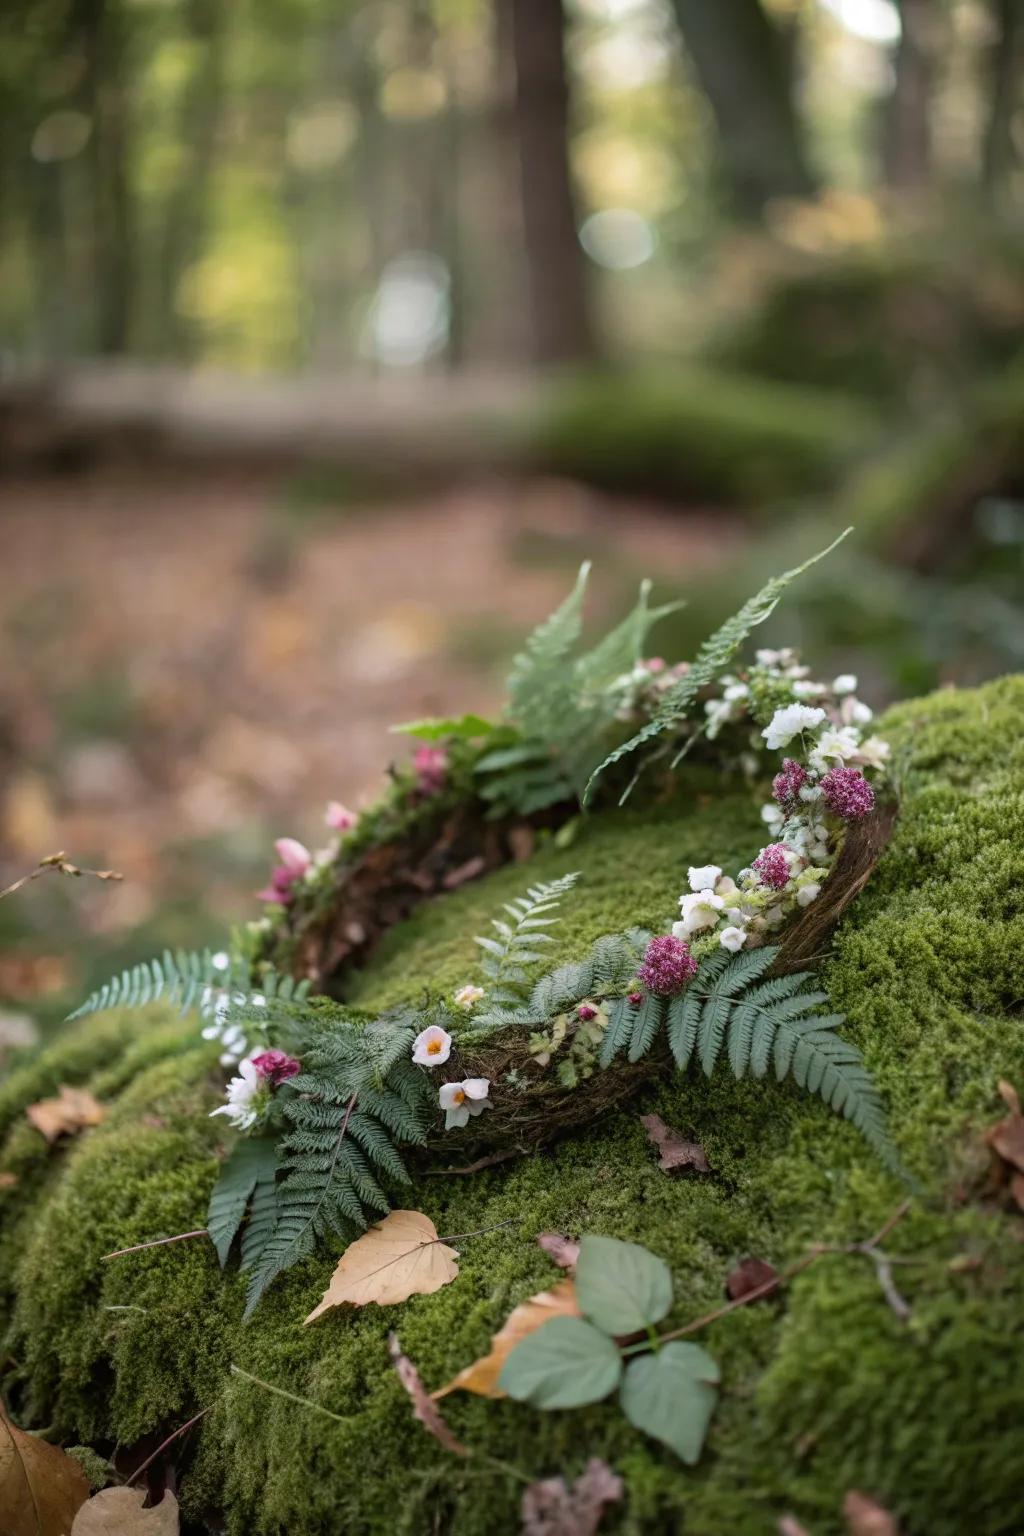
[
  {"x": 158, "y": 1242},
  {"x": 304, "y": 1402},
  {"x": 163, "y": 1446},
  {"x": 481, "y": 1162},
  {"x": 58, "y": 863},
  {"x": 456, "y": 1236}
]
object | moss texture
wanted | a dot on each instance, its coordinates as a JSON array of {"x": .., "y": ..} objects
[{"x": 824, "y": 1388}]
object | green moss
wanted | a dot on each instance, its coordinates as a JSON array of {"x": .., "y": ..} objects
[{"x": 824, "y": 1389}]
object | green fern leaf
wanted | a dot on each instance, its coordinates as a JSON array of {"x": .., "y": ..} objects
[{"x": 250, "y": 1160}]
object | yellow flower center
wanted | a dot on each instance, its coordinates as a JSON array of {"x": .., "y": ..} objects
[
  {"x": 433, "y": 1047},
  {"x": 458, "y": 1097}
]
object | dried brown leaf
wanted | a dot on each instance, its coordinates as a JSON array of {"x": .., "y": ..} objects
[
  {"x": 550, "y": 1508},
  {"x": 8, "y": 1180},
  {"x": 119, "y": 1512},
  {"x": 674, "y": 1150},
  {"x": 399, "y": 1257},
  {"x": 1006, "y": 1137},
  {"x": 72, "y": 1111},
  {"x": 561, "y": 1250},
  {"x": 41, "y": 1489},
  {"x": 865, "y": 1517},
  {"x": 423, "y": 1406},
  {"x": 790, "y": 1526},
  {"x": 482, "y": 1376},
  {"x": 749, "y": 1275}
]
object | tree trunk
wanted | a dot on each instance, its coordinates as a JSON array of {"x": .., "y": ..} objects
[
  {"x": 1006, "y": 94},
  {"x": 561, "y": 325},
  {"x": 745, "y": 65},
  {"x": 908, "y": 140},
  {"x": 103, "y": 97}
]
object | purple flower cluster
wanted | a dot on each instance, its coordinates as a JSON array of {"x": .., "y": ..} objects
[
  {"x": 786, "y": 786},
  {"x": 276, "y": 1066},
  {"x": 586, "y": 1012},
  {"x": 772, "y": 866},
  {"x": 431, "y": 768},
  {"x": 847, "y": 793},
  {"x": 667, "y": 965}
]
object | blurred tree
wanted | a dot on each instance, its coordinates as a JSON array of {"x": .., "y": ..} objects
[
  {"x": 907, "y": 150},
  {"x": 745, "y": 62},
  {"x": 562, "y": 329},
  {"x": 1005, "y": 80}
]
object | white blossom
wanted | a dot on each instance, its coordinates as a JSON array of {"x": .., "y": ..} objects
[
  {"x": 734, "y": 692},
  {"x": 460, "y": 1100},
  {"x": 467, "y": 996},
  {"x": 700, "y": 910},
  {"x": 705, "y": 878},
  {"x": 788, "y": 721},
  {"x": 243, "y": 1093},
  {"x": 733, "y": 938},
  {"x": 853, "y": 712},
  {"x": 873, "y": 753},
  {"x": 432, "y": 1047},
  {"x": 844, "y": 683},
  {"x": 807, "y": 893},
  {"x": 834, "y": 745}
]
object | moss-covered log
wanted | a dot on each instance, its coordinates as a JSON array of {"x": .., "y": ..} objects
[{"x": 824, "y": 1387}]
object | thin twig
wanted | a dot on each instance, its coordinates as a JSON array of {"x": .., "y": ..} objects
[
  {"x": 305, "y": 1402},
  {"x": 158, "y": 1242},
  {"x": 481, "y": 1162},
  {"x": 163, "y": 1446},
  {"x": 456, "y": 1236},
  {"x": 59, "y": 863}
]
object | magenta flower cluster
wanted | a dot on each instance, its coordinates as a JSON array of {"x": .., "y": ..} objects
[
  {"x": 276, "y": 1066},
  {"x": 667, "y": 965},
  {"x": 786, "y": 786},
  {"x": 772, "y": 866},
  {"x": 431, "y": 768},
  {"x": 586, "y": 1012},
  {"x": 847, "y": 793}
]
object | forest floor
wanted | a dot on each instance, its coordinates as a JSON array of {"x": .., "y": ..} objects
[{"x": 196, "y": 662}]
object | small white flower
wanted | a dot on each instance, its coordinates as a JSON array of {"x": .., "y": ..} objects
[
  {"x": 242, "y": 1093},
  {"x": 807, "y": 893},
  {"x": 844, "y": 683},
  {"x": 772, "y": 816},
  {"x": 467, "y": 996},
  {"x": 700, "y": 910},
  {"x": 873, "y": 753},
  {"x": 726, "y": 886},
  {"x": 788, "y": 721},
  {"x": 853, "y": 712},
  {"x": 432, "y": 1047},
  {"x": 834, "y": 745},
  {"x": 718, "y": 712},
  {"x": 460, "y": 1100},
  {"x": 774, "y": 916},
  {"x": 705, "y": 878},
  {"x": 734, "y": 692},
  {"x": 804, "y": 688},
  {"x": 769, "y": 658},
  {"x": 733, "y": 938}
]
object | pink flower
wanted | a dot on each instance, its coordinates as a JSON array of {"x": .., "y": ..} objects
[
  {"x": 295, "y": 860},
  {"x": 276, "y": 1066},
  {"x": 667, "y": 965},
  {"x": 295, "y": 856},
  {"x": 786, "y": 786},
  {"x": 431, "y": 765},
  {"x": 636, "y": 998},
  {"x": 339, "y": 818},
  {"x": 280, "y": 887},
  {"x": 772, "y": 866},
  {"x": 654, "y": 664},
  {"x": 847, "y": 793},
  {"x": 586, "y": 1012}
]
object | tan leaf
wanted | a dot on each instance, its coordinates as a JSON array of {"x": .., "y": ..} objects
[
  {"x": 749, "y": 1275},
  {"x": 422, "y": 1406},
  {"x": 72, "y": 1111},
  {"x": 790, "y": 1526},
  {"x": 550, "y": 1508},
  {"x": 399, "y": 1257},
  {"x": 40, "y": 1488},
  {"x": 561, "y": 1250},
  {"x": 482, "y": 1376},
  {"x": 674, "y": 1151},
  {"x": 1006, "y": 1137},
  {"x": 119, "y": 1512},
  {"x": 866, "y": 1518},
  {"x": 8, "y": 1180}
]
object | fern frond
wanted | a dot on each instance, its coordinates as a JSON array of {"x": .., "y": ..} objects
[
  {"x": 252, "y": 1160},
  {"x": 515, "y": 947},
  {"x": 197, "y": 978},
  {"x": 712, "y": 658},
  {"x": 537, "y": 684}
]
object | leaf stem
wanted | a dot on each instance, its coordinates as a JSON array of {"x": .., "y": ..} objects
[
  {"x": 292, "y": 1397},
  {"x": 157, "y": 1242}
]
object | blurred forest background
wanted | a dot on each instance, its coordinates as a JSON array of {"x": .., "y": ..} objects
[{"x": 333, "y": 335}]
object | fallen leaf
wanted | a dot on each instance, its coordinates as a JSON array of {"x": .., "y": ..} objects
[
  {"x": 398, "y": 1257},
  {"x": 17, "y": 1029},
  {"x": 72, "y": 1111},
  {"x": 789, "y": 1526},
  {"x": 119, "y": 1512},
  {"x": 749, "y": 1275},
  {"x": 674, "y": 1151},
  {"x": 550, "y": 1508},
  {"x": 1006, "y": 1139},
  {"x": 41, "y": 1489},
  {"x": 423, "y": 1406},
  {"x": 561, "y": 1250},
  {"x": 482, "y": 1376},
  {"x": 8, "y": 1180},
  {"x": 866, "y": 1518}
]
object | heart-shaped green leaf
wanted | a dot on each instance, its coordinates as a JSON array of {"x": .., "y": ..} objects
[
  {"x": 563, "y": 1365},
  {"x": 620, "y": 1286},
  {"x": 671, "y": 1395}
]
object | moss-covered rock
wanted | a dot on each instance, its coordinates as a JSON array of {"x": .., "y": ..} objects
[{"x": 824, "y": 1388}]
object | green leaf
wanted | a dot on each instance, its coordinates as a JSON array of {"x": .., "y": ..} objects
[
  {"x": 563, "y": 1365},
  {"x": 671, "y": 1394},
  {"x": 437, "y": 728},
  {"x": 620, "y": 1286},
  {"x": 250, "y": 1161}
]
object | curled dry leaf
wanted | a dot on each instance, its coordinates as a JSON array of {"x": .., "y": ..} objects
[
  {"x": 1006, "y": 1139},
  {"x": 41, "y": 1489},
  {"x": 72, "y": 1111},
  {"x": 550, "y": 1508},
  {"x": 749, "y": 1275},
  {"x": 119, "y": 1512},
  {"x": 864, "y": 1517},
  {"x": 423, "y": 1406},
  {"x": 482, "y": 1376},
  {"x": 561, "y": 1250},
  {"x": 398, "y": 1257},
  {"x": 674, "y": 1151}
]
